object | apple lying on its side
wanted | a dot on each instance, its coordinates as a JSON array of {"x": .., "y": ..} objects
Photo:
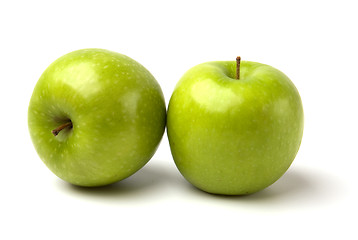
[
  {"x": 234, "y": 128},
  {"x": 96, "y": 117}
]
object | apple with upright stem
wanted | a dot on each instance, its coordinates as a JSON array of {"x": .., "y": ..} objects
[
  {"x": 234, "y": 128},
  {"x": 96, "y": 117}
]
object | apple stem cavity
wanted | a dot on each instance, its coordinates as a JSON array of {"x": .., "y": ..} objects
[
  {"x": 57, "y": 130},
  {"x": 238, "y": 60}
]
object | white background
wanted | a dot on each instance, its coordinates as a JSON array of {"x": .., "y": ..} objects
[{"x": 313, "y": 42}]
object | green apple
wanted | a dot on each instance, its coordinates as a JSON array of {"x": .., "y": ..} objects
[
  {"x": 234, "y": 128},
  {"x": 96, "y": 117}
]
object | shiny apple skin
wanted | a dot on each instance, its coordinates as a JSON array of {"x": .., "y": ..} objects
[
  {"x": 230, "y": 136},
  {"x": 118, "y": 113}
]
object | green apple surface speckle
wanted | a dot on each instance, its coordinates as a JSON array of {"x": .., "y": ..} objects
[
  {"x": 234, "y": 136},
  {"x": 117, "y": 113}
]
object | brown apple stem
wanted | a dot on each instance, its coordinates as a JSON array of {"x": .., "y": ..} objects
[
  {"x": 56, "y": 131},
  {"x": 238, "y": 60}
]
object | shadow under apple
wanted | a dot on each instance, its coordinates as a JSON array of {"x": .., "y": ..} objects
[
  {"x": 144, "y": 182},
  {"x": 298, "y": 186}
]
